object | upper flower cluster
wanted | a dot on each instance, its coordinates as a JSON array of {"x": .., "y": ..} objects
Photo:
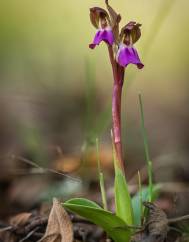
[{"x": 107, "y": 25}]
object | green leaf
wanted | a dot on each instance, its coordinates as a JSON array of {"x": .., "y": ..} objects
[
  {"x": 123, "y": 204},
  {"x": 114, "y": 226},
  {"x": 83, "y": 202},
  {"x": 136, "y": 202},
  {"x": 124, "y": 208}
]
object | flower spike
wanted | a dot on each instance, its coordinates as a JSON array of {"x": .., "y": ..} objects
[{"x": 121, "y": 54}]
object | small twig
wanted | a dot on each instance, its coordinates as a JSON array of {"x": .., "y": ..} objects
[
  {"x": 44, "y": 169},
  {"x": 176, "y": 230},
  {"x": 179, "y": 219},
  {"x": 35, "y": 223},
  {"x": 38, "y": 234},
  {"x": 6, "y": 229},
  {"x": 29, "y": 234}
]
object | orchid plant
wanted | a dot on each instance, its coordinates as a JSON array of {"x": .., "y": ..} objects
[
  {"x": 120, "y": 44},
  {"x": 121, "y": 54}
]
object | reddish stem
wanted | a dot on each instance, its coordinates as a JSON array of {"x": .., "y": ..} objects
[{"x": 118, "y": 73}]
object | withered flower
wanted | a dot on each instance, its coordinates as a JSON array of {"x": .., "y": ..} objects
[{"x": 127, "y": 54}]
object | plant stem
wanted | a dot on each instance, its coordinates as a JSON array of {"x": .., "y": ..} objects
[
  {"x": 118, "y": 73},
  {"x": 140, "y": 196},
  {"x": 101, "y": 178},
  {"x": 146, "y": 149},
  {"x": 116, "y": 120}
]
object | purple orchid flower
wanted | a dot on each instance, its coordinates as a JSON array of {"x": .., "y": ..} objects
[
  {"x": 102, "y": 22},
  {"x": 128, "y": 55}
]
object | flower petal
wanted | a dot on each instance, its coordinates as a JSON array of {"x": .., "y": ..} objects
[
  {"x": 128, "y": 55},
  {"x": 95, "y": 14},
  {"x": 105, "y": 35},
  {"x": 132, "y": 29}
]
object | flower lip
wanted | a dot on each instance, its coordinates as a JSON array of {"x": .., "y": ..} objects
[
  {"x": 105, "y": 35},
  {"x": 128, "y": 55}
]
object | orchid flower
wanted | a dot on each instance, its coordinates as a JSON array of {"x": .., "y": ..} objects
[
  {"x": 127, "y": 54},
  {"x": 100, "y": 19}
]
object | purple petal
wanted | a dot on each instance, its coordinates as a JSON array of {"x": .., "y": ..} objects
[
  {"x": 128, "y": 55},
  {"x": 105, "y": 35}
]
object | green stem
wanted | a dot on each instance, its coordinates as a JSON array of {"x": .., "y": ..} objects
[
  {"x": 146, "y": 149},
  {"x": 140, "y": 196},
  {"x": 101, "y": 178}
]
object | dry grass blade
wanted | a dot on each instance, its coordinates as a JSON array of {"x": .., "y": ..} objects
[{"x": 59, "y": 228}]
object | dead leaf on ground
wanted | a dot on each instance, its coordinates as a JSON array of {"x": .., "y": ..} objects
[
  {"x": 59, "y": 228},
  {"x": 20, "y": 219}
]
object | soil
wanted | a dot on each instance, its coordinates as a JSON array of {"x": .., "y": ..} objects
[{"x": 31, "y": 226}]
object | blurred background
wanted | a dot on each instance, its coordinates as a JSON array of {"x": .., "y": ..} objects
[{"x": 55, "y": 95}]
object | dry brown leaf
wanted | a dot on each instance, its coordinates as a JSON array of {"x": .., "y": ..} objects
[
  {"x": 20, "y": 219},
  {"x": 59, "y": 228}
]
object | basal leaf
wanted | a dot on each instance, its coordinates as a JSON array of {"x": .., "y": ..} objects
[
  {"x": 123, "y": 204},
  {"x": 83, "y": 202},
  {"x": 114, "y": 226},
  {"x": 122, "y": 197}
]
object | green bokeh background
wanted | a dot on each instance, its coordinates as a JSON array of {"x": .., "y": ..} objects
[{"x": 53, "y": 88}]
